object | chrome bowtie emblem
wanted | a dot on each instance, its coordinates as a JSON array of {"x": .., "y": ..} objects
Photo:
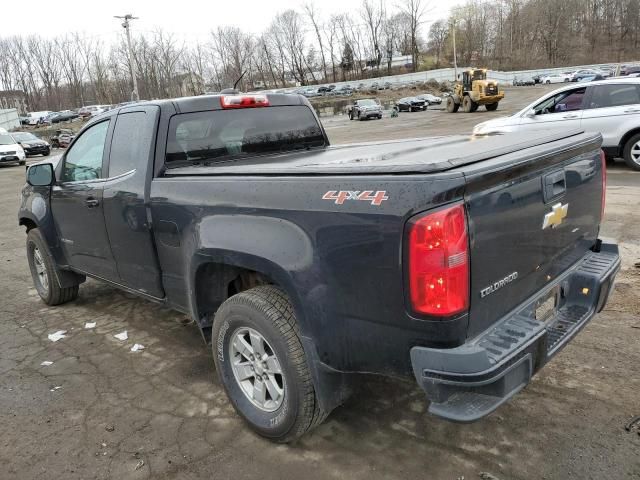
[{"x": 555, "y": 216}]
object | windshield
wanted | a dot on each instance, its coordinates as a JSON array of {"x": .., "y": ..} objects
[
  {"x": 221, "y": 135},
  {"x": 24, "y": 136},
  {"x": 367, "y": 103},
  {"x": 6, "y": 139}
]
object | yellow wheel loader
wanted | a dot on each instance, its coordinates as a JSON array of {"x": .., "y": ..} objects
[{"x": 475, "y": 90}]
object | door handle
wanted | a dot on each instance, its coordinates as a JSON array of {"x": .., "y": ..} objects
[
  {"x": 92, "y": 202},
  {"x": 571, "y": 115}
]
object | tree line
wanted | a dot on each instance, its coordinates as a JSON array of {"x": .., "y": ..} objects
[{"x": 303, "y": 46}]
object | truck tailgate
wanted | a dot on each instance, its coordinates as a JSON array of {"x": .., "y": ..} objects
[{"x": 532, "y": 214}]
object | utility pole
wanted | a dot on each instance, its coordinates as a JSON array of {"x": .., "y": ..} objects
[
  {"x": 455, "y": 60},
  {"x": 134, "y": 76}
]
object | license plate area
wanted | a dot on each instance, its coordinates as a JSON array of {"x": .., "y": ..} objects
[{"x": 547, "y": 306}]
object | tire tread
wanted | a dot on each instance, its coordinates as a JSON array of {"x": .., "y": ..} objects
[{"x": 276, "y": 306}]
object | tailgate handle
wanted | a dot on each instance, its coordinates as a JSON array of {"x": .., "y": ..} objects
[{"x": 554, "y": 185}]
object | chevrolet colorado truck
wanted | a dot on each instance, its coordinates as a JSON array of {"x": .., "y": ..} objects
[{"x": 464, "y": 262}]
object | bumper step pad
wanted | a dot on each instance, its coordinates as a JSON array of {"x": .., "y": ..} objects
[{"x": 469, "y": 382}]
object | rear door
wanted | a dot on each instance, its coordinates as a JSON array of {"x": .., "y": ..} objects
[
  {"x": 531, "y": 214},
  {"x": 609, "y": 107},
  {"x": 562, "y": 110},
  {"x": 125, "y": 207},
  {"x": 76, "y": 203}
]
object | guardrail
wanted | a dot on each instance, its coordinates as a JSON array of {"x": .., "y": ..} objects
[{"x": 448, "y": 74}]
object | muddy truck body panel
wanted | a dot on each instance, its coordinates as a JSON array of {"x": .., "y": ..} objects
[{"x": 467, "y": 262}]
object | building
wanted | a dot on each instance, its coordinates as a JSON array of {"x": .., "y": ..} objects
[
  {"x": 13, "y": 99},
  {"x": 9, "y": 119}
]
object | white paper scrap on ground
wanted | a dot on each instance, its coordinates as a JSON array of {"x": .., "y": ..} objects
[
  {"x": 122, "y": 335},
  {"x": 55, "y": 388},
  {"x": 90, "y": 325},
  {"x": 54, "y": 337},
  {"x": 137, "y": 347},
  {"x": 46, "y": 363}
]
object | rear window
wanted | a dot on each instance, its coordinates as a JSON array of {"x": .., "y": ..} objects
[{"x": 221, "y": 135}]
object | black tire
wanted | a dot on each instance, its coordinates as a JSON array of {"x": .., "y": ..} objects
[
  {"x": 548, "y": 82},
  {"x": 51, "y": 294},
  {"x": 627, "y": 152},
  {"x": 452, "y": 106},
  {"x": 22, "y": 162},
  {"x": 267, "y": 310},
  {"x": 467, "y": 104},
  {"x": 351, "y": 115},
  {"x": 491, "y": 107},
  {"x": 46, "y": 154}
]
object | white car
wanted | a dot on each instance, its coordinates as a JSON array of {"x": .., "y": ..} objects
[
  {"x": 555, "y": 78},
  {"x": 10, "y": 151},
  {"x": 36, "y": 117},
  {"x": 611, "y": 107}
]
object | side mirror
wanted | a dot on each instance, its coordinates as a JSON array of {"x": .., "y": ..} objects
[
  {"x": 531, "y": 113},
  {"x": 41, "y": 175}
]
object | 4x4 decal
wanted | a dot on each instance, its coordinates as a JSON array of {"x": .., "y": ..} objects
[{"x": 376, "y": 198}]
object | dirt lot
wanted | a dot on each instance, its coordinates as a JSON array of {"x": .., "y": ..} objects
[{"x": 160, "y": 413}]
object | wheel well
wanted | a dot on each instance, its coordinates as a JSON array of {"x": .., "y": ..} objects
[
  {"x": 215, "y": 282},
  {"x": 626, "y": 137},
  {"x": 30, "y": 224}
]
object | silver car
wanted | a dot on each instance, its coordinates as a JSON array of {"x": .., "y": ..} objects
[{"x": 611, "y": 107}]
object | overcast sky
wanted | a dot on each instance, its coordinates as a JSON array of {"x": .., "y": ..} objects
[{"x": 189, "y": 19}]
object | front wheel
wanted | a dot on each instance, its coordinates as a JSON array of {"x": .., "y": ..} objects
[
  {"x": 452, "y": 106},
  {"x": 491, "y": 107},
  {"x": 43, "y": 272},
  {"x": 262, "y": 365},
  {"x": 631, "y": 152}
]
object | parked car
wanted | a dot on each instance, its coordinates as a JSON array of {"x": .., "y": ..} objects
[
  {"x": 36, "y": 118},
  {"x": 62, "y": 138},
  {"x": 343, "y": 90},
  {"x": 365, "y": 109},
  {"x": 610, "y": 107},
  {"x": 10, "y": 150},
  {"x": 371, "y": 257},
  {"x": 590, "y": 78},
  {"x": 536, "y": 79},
  {"x": 311, "y": 92},
  {"x": 627, "y": 69},
  {"x": 63, "y": 116},
  {"x": 31, "y": 144},
  {"x": 91, "y": 111},
  {"x": 411, "y": 104},
  {"x": 523, "y": 81},
  {"x": 430, "y": 99},
  {"x": 586, "y": 72},
  {"x": 555, "y": 78}
]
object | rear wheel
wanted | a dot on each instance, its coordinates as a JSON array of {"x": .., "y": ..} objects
[
  {"x": 492, "y": 107},
  {"x": 43, "y": 272},
  {"x": 262, "y": 365},
  {"x": 452, "y": 106},
  {"x": 631, "y": 153}
]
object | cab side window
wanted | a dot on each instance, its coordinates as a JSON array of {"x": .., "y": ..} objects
[
  {"x": 84, "y": 159},
  {"x": 614, "y": 95},
  {"x": 568, "y": 101}
]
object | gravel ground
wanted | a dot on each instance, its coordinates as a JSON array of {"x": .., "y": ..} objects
[{"x": 101, "y": 411}]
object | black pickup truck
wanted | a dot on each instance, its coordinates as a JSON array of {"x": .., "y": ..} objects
[{"x": 465, "y": 262}]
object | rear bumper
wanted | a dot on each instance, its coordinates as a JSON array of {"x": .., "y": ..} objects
[{"x": 467, "y": 383}]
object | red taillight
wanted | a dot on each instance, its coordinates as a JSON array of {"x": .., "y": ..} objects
[
  {"x": 244, "y": 101},
  {"x": 603, "y": 159},
  {"x": 438, "y": 251}
]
